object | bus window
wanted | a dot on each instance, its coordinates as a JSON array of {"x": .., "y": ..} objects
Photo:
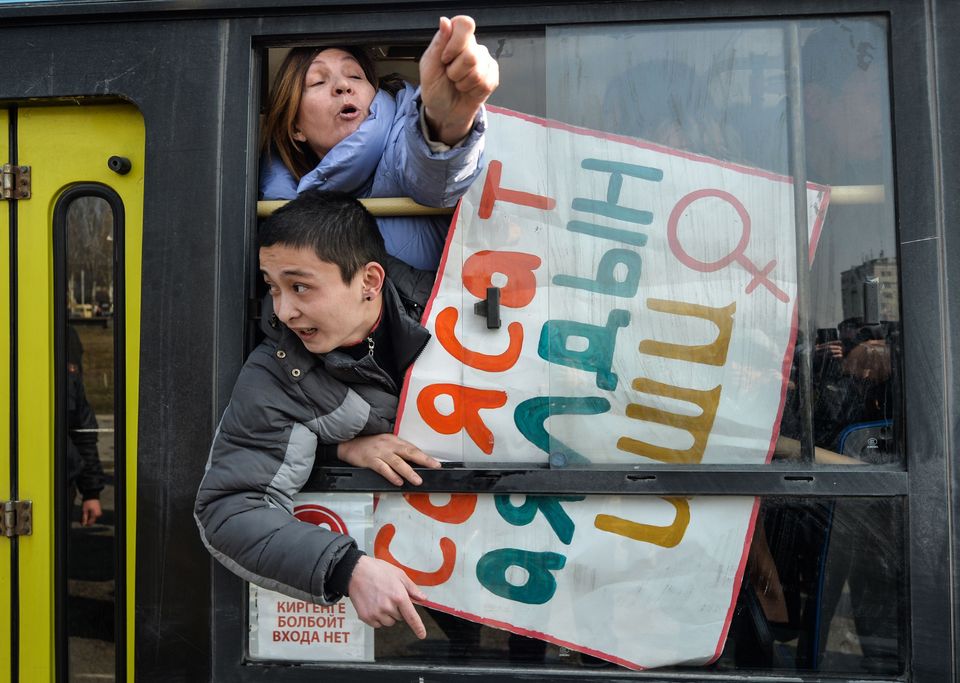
[
  {"x": 816, "y": 593},
  {"x": 721, "y": 90},
  {"x": 89, "y": 463}
]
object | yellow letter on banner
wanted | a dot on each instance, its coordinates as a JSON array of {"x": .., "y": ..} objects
[
  {"x": 714, "y": 353},
  {"x": 666, "y": 536},
  {"x": 698, "y": 426}
]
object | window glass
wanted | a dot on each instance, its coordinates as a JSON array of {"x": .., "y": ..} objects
[
  {"x": 89, "y": 439},
  {"x": 854, "y": 279},
  {"x": 659, "y": 160},
  {"x": 691, "y": 250},
  {"x": 807, "y": 585},
  {"x": 713, "y": 101}
]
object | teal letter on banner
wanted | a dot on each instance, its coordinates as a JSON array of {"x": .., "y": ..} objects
[
  {"x": 610, "y": 208},
  {"x": 597, "y": 357},
  {"x": 530, "y": 415},
  {"x": 540, "y": 586},
  {"x": 550, "y": 506},
  {"x": 606, "y": 282}
]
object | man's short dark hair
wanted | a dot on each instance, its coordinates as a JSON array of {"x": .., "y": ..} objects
[{"x": 337, "y": 227}]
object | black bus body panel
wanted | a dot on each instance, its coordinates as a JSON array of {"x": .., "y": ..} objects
[{"x": 193, "y": 72}]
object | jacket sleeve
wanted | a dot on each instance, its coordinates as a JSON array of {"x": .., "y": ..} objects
[
  {"x": 433, "y": 178},
  {"x": 276, "y": 182},
  {"x": 262, "y": 454}
]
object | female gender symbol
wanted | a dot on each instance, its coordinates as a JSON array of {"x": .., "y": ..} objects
[{"x": 759, "y": 276}]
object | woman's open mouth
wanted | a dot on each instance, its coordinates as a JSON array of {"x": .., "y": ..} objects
[{"x": 349, "y": 112}]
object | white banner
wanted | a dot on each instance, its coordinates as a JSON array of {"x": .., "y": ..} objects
[
  {"x": 647, "y": 303},
  {"x": 629, "y": 579},
  {"x": 648, "y": 307}
]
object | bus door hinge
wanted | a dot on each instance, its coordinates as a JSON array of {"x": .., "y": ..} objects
[
  {"x": 16, "y": 182},
  {"x": 17, "y": 518}
]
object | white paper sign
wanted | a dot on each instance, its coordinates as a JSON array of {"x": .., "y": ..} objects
[{"x": 282, "y": 628}]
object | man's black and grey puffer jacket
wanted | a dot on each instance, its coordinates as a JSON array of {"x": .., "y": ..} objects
[{"x": 287, "y": 402}]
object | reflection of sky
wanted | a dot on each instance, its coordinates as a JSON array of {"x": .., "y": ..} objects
[{"x": 720, "y": 90}]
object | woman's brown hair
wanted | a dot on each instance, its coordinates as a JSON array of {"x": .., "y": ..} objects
[{"x": 279, "y": 125}]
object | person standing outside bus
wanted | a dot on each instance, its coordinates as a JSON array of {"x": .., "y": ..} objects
[{"x": 84, "y": 469}]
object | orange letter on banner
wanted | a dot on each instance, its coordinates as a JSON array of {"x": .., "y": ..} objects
[
  {"x": 467, "y": 403},
  {"x": 493, "y": 193},
  {"x": 666, "y": 536},
  {"x": 457, "y": 511},
  {"x": 381, "y": 550},
  {"x": 517, "y": 266},
  {"x": 446, "y": 324}
]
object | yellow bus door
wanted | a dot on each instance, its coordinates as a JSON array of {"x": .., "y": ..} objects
[{"x": 69, "y": 351}]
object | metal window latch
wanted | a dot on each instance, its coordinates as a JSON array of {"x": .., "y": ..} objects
[
  {"x": 489, "y": 308},
  {"x": 15, "y": 182},
  {"x": 16, "y": 518}
]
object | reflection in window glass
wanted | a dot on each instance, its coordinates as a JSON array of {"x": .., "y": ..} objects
[
  {"x": 854, "y": 298},
  {"x": 823, "y": 589},
  {"x": 520, "y": 57},
  {"x": 814, "y": 585},
  {"x": 715, "y": 89},
  {"x": 713, "y": 96},
  {"x": 89, "y": 281},
  {"x": 720, "y": 90}
]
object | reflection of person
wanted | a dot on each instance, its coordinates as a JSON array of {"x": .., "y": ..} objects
[
  {"x": 843, "y": 82},
  {"x": 846, "y": 127},
  {"x": 328, "y": 126},
  {"x": 818, "y": 550},
  {"x": 851, "y": 385},
  {"x": 846, "y": 124},
  {"x": 666, "y": 102},
  {"x": 843, "y": 69},
  {"x": 819, "y": 547},
  {"x": 84, "y": 470},
  {"x": 343, "y": 335}
]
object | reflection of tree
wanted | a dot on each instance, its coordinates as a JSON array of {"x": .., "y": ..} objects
[{"x": 89, "y": 247}]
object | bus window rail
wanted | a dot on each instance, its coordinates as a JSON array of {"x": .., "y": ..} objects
[
  {"x": 378, "y": 206},
  {"x": 404, "y": 206}
]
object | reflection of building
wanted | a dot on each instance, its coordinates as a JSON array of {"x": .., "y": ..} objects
[{"x": 870, "y": 290}]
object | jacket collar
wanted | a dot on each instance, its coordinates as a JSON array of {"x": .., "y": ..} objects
[{"x": 407, "y": 334}]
